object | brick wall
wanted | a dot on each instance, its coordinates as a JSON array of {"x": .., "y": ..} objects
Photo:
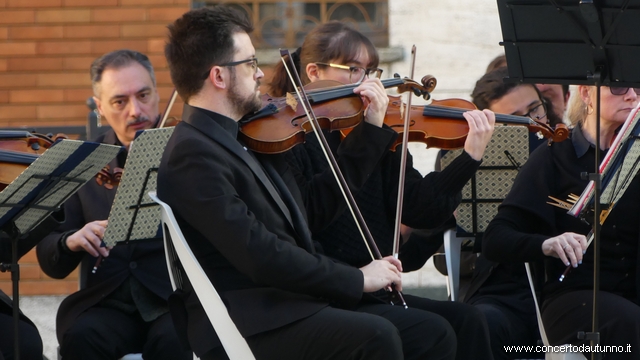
[{"x": 46, "y": 47}]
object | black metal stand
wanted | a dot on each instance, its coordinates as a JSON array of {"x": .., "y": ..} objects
[
  {"x": 586, "y": 42},
  {"x": 50, "y": 183},
  {"x": 139, "y": 205}
]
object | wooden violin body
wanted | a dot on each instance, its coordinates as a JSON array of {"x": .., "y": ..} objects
[
  {"x": 282, "y": 123},
  {"x": 18, "y": 149},
  {"x": 441, "y": 124},
  {"x": 286, "y": 122}
]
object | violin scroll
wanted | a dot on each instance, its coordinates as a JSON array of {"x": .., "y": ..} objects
[
  {"x": 109, "y": 179},
  {"x": 560, "y": 133},
  {"x": 423, "y": 90}
]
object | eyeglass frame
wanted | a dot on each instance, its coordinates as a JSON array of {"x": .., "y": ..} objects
[
  {"x": 626, "y": 90},
  {"x": 236, "y": 63},
  {"x": 352, "y": 68},
  {"x": 544, "y": 107}
]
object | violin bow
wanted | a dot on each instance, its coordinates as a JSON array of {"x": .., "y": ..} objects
[
  {"x": 403, "y": 161},
  {"x": 172, "y": 100},
  {"x": 333, "y": 165}
]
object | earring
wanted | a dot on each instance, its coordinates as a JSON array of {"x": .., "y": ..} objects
[{"x": 589, "y": 109}]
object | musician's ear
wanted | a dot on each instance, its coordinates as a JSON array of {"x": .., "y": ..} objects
[
  {"x": 98, "y": 105},
  {"x": 219, "y": 78},
  {"x": 583, "y": 92},
  {"x": 313, "y": 72}
]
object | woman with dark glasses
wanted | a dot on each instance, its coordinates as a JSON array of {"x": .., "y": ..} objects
[{"x": 527, "y": 228}]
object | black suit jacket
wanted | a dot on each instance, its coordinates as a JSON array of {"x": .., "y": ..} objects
[
  {"x": 261, "y": 260},
  {"x": 26, "y": 243},
  {"x": 143, "y": 260}
]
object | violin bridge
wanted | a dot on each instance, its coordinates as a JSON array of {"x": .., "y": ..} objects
[
  {"x": 291, "y": 101},
  {"x": 402, "y": 106}
]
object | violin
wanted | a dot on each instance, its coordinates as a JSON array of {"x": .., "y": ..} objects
[
  {"x": 442, "y": 125},
  {"x": 282, "y": 122},
  {"x": 18, "y": 149}
]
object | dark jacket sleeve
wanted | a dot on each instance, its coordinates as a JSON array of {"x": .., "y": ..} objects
[
  {"x": 228, "y": 216},
  {"x": 357, "y": 156},
  {"x": 524, "y": 220},
  {"x": 430, "y": 200},
  {"x": 55, "y": 261}
]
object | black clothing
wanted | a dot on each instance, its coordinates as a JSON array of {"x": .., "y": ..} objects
[
  {"x": 31, "y": 343},
  {"x": 428, "y": 201},
  {"x": 140, "y": 265},
  {"x": 525, "y": 221},
  {"x": 245, "y": 223}
]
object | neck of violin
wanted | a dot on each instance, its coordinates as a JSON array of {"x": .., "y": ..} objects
[
  {"x": 456, "y": 113},
  {"x": 320, "y": 95}
]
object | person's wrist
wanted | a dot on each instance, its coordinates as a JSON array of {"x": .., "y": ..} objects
[{"x": 63, "y": 244}]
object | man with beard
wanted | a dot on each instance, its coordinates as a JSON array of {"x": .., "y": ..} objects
[
  {"x": 245, "y": 219},
  {"x": 123, "y": 307}
]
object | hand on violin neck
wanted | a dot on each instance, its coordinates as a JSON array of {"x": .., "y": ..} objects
[
  {"x": 375, "y": 98},
  {"x": 481, "y": 126},
  {"x": 380, "y": 274}
]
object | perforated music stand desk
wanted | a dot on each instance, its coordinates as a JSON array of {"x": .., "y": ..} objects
[
  {"x": 41, "y": 189},
  {"x": 481, "y": 196},
  {"x": 133, "y": 215}
]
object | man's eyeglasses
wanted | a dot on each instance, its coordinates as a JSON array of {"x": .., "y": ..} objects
[
  {"x": 356, "y": 73},
  {"x": 622, "y": 90},
  {"x": 537, "y": 112},
  {"x": 253, "y": 61}
]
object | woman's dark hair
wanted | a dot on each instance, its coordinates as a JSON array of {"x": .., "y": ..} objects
[
  {"x": 199, "y": 40},
  {"x": 492, "y": 87},
  {"x": 330, "y": 42}
]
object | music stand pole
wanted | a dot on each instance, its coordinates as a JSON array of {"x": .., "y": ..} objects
[{"x": 594, "y": 335}]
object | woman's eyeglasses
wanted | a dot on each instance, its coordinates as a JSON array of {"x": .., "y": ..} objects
[
  {"x": 537, "y": 112},
  {"x": 253, "y": 61},
  {"x": 622, "y": 90},
  {"x": 356, "y": 73}
]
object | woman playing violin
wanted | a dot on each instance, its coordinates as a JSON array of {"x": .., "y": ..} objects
[
  {"x": 334, "y": 51},
  {"x": 528, "y": 229}
]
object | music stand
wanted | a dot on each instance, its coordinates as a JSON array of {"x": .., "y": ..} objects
[
  {"x": 481, "y": 196},
  {"x": 133, "y": 215},
  {"x": 570, "y": 42},
  {"x": 40, "y": 190}
]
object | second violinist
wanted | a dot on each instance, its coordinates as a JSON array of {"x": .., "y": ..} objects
[
  {"x": 123, "y": 307},
  {"x": 334, "y": 51}
]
